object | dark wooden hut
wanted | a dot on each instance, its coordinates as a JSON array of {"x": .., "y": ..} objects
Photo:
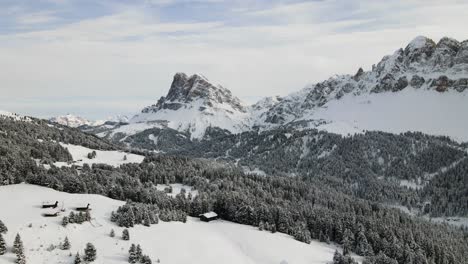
[{"x": 208, "y": 217}]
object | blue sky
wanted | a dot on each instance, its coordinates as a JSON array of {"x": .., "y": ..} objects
[{"x": 98, "y": 58}]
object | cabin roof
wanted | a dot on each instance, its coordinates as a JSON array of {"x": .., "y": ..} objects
[{"x": 209, "y": 215}]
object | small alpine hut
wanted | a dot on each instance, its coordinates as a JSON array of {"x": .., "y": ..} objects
[{"x": 208, "y": 217}]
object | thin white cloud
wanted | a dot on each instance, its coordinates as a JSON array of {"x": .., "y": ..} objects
[{"x": 35, "y": 18}]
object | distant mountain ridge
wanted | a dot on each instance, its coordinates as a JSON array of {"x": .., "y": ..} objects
[{"x": 425, "y": 79}]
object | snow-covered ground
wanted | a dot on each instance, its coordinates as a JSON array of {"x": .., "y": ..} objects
[
  {"x": 177, "y": 188},
  {"x": 174, "y": 242},
  {"x": 14, "y": 116},
  {"x": 455, "y": 221},
  {"x": 113, "y": 158},
  {"x": 412, "y": 109}
]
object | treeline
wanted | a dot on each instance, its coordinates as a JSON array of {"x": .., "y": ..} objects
[{"x": 319, "y": 207}]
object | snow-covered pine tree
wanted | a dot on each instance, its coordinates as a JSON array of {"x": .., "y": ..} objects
[
  {"x": 20, "y": 257},
  {"x": 90, "y": 253},
  {"x": 112, "y": 233},
  {"x": 362, "y": 246},
  {"x": 66, "y": 244},
  {"x": 348, "y": 239},
  {"x": 132, "y": 257},
  {"x": 139, "y": 252},
  {"x": 337, "y": 258},
  {"x": 65, "y": 221},
  {"x": 87, "y": 216},
  {"x": 71, "y": 217},
  {"x": 113, "y": 217},
  {"x": 146, "y": 260},
  {"x": 3, "y": 228},
  {"x": 147, "y": 221},
  {"x": 2, "y": 245},
  {"x": 18, "y": 244},
  {"x": 261, "y": 226},
  {"x": 77, "y": 258},
  {"x": 125, "y": 234},
  {"x": 18, "y": 249}
]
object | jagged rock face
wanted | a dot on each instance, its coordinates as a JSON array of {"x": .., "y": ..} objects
[
  {"x": 186, "y": 89},
  {"x": 421, "y": 64}
]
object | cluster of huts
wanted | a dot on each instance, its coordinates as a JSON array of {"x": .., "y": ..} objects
[{"x": 57, "y": 212}]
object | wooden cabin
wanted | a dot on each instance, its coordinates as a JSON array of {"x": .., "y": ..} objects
[
  {"x": 83, "y": 209},
  {"x": 208, "y": 217},
  {"x": 51, "y": 214},
  {"x": 44, "y": 206}
]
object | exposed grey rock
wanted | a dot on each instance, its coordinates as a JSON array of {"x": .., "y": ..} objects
[
  {"x": 401, "y": 84},
  {"x": 417, "y": 81},
  {"x": 461, "y": 84},
  {"x": 186, "y": 89},
  {"x": 442, "y": 83}
]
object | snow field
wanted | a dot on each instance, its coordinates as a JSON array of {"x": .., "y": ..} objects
[
  {"x": 113, "y": 158},
  {"x": 173, "y": 242}
]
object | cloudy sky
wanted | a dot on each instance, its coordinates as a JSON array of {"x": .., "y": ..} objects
[{"x": 98, "y": 58}]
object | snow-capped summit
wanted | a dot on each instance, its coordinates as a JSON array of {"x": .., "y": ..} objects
[
  {"x": 70, "y": 120},
  {"x": 193, "y": 104}
]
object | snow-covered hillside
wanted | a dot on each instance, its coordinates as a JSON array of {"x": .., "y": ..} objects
[
  {"x": 410, "y": 109},
  {"x": 171, "y": 243},
  {"x": 113, "y": 158}
]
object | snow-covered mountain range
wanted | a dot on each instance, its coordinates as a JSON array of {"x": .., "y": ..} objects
[
  {"x": 422, "y": 87},
  {"x": 78, "y": 121}
]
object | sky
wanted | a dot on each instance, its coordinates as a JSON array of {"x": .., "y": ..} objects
[{"x": 99, "y": 58}]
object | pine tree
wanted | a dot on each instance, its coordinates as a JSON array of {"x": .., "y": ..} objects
[
  {"x": 132, "y": 257},
  {"x": 66, "y": 244},
  {"x": 139, "y": 252},
  {"x": 18, "y": 244},
  {"x": 20, "y": 257},
  {"x": 261, "y": 226},
  {"x": 347, "y": 241},
  {"x": 147, "y": 221},
  {"x": 125, "y": 234},
  {"x": 3, "y": 228},
  {"x": 337, "y": 258},
  {"x": 362, "y": 246},
  {"x": 71, "y": 217},
  {"x": 87, "y": 216},
  {"x": 18, "y": 249},
  {"x": 2, "y": 245},
  {"x": 114, "y": 217},
  {"x": 90, "y": 253},
  {"x": 65, "y": 221},
  {"x": 77, "y": 258},
  {"x": 146, "y": 260},
  {"x": 112, "y": 233}
]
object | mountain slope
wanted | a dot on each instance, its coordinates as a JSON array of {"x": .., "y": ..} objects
[{"x": 419, "y": 88}]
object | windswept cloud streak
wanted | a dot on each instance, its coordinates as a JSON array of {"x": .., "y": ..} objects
[{"x": 132, "y": 48}]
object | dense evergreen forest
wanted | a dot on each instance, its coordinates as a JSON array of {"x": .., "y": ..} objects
[{"x": 328, "y": 201}]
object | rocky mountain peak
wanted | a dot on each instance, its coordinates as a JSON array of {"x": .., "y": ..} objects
[{"x": 186, "y": 89}]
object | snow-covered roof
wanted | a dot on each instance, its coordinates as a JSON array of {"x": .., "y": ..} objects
[{"x": 209, "y": 215}]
